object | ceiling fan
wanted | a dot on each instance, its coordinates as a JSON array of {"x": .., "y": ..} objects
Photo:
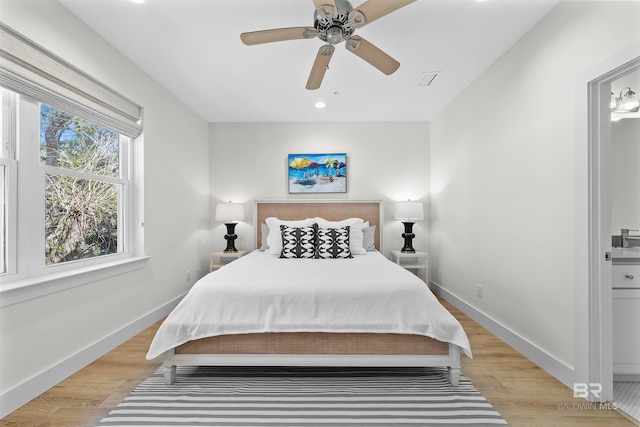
[{"x": 335, "y": 21}]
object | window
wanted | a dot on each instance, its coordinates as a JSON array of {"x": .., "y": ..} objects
[
  {"x": 85, "y": 187},
  {"x": 70, "y": 175},
  {"x": 74, "y": 188},
  {"x": 7, "y": 170},
  {"x": 3, "y": 219}
]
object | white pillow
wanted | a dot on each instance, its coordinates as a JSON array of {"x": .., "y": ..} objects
[
  {"x": 274, "y": 239},
  {"x": 264, "y": 230},
  {"x": 356, "y": 238},
  {"x": 368, "y": 241}
]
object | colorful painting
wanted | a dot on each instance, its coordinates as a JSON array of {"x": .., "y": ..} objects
[{"x": 317, "y": 173}]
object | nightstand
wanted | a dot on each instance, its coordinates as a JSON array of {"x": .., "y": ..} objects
[
  {"x": 221, "y": 258},
  {"x": 418, "y": 261}
]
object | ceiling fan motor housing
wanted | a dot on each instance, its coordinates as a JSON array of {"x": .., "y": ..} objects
[{"x": 333, "y": 27}]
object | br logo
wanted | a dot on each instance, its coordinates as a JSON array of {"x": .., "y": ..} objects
[{"x": 584, "y": 389}]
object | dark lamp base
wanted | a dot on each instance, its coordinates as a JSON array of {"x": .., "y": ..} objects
[
  {"x": 408, "y": 238},
  {"x": 230, "y": 237}
]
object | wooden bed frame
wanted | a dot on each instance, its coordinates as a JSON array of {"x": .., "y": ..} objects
[{"x": 316, "y": 349}]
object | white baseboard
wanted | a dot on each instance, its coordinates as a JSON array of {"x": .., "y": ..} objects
[
  {"x": 28, "y": 390},
  {"x": 556, "y": 368}
]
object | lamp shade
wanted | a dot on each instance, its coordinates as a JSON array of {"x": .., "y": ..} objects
[
  {"x": 227, "y": 212},
  {"x": 409, "y": 211}
]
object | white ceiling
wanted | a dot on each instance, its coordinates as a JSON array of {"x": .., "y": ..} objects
[{"x": 193, "y": 48}]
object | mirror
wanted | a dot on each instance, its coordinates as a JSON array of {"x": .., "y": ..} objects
[{"x": 625, "y": 163}]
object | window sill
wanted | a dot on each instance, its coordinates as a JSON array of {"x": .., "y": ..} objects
[{"x": 24, "y": 290}]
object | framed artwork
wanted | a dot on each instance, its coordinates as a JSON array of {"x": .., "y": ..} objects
[{"x": 317, "y": 173}]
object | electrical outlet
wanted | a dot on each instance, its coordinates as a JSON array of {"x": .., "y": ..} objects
[
  {"x": 479, "y": 290},
  {"x": 188, "y": 276}
]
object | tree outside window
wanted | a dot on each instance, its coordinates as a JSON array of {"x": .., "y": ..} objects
[{"x": 82, "y": 165}]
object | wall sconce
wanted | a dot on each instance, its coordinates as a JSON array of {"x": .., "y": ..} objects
[
  {"x": 628, "y": 102},
  {"x": 228, "y": 213},
  {"x": 409, "y": 212}
]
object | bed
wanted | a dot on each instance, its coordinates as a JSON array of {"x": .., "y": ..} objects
[{"x": 262, "y": 310}]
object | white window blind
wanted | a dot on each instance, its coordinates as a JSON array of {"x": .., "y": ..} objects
[{"x": 31, "y": 70}]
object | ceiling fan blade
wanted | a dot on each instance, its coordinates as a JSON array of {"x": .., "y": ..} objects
[
  {"x": 374, "y": 9},
  {"x": 319, "y": 3},
  {"x": 372, "y": 55},
  {"x": 331, "y": 11},
  {"x": 320, "y": 66},
  {"x": 277, "y": 35}
]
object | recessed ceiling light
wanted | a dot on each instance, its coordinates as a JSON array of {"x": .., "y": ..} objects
[
  {"x": 137, "y": 1},
  {"x": 320, "y": 104}
]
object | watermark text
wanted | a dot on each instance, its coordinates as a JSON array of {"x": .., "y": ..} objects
[
  {"x": 587, "y": 391},
  {"x": 587, "y": 406}
]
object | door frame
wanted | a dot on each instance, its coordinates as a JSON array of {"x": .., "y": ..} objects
[{"x": 592, "y": 290}]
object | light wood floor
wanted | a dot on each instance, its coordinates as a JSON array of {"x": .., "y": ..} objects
[{"x": 524, "y": 394}]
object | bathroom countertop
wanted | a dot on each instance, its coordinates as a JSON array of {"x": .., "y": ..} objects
[
  {"x": 626, "y": 261},
  {"x": 626, "y": 256}
]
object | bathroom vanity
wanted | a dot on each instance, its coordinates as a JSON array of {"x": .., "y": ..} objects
[{"x": 626, "y": 314}]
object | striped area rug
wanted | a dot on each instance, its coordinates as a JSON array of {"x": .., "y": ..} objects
[{"x": 304, "y": 397}]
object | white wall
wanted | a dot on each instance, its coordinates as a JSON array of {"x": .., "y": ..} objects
[
  {"x": 502, "y": 173},
  {"x": 625, "y": 175},
  {"x": 39, "y": 334},
  {"x": 386, "y": 161}
]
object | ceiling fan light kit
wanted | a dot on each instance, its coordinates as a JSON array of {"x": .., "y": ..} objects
[{"x": 335, "y": 21}]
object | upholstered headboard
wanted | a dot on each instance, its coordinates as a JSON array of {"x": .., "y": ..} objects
[{"x": 332, "y": 210}]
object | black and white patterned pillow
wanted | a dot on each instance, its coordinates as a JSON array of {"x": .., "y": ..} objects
[
  {"x": 334, "y": 242},
  {"x": 298, "y": 242}
]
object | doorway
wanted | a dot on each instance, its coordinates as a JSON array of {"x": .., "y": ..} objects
[
  {"x": 593, "y": 269},
  {"x": 625, "y": 214}
]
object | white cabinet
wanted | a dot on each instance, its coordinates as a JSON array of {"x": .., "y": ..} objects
[
  {"x": 626, "y": 276},
  {"x": 626, "y": 339}
]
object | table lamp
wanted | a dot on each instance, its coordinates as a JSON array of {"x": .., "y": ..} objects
[
  {"x": 229, "y": 213},
  {"x": 409, "y": 212}
]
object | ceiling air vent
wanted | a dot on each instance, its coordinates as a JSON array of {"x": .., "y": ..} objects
[{"x": 428, "y": 78}]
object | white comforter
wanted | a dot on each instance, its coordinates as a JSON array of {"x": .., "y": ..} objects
[{"x": 263, "y": 293}]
